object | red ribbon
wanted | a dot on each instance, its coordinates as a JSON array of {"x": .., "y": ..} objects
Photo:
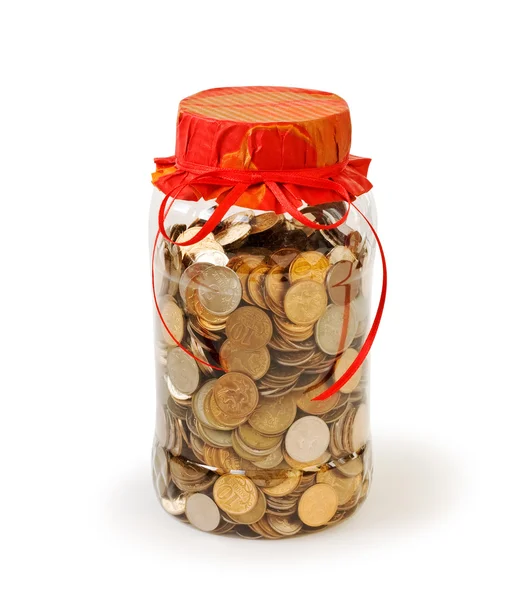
[{"x": 239, "y": 181}]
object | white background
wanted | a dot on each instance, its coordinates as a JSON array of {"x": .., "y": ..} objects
[{"x": 90, "y": 93}]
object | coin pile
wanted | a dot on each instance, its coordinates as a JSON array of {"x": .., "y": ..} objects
[{"x": 269, "y": 315}]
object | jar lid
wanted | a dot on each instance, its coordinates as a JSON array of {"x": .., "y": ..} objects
[{"x": 263, "y": 128}]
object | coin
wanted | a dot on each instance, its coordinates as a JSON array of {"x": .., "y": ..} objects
[
  {"x": 213, "y": 257},
  {"x": 257, "y": 441},
  {"x": 254, "y": 363},
  {"x": 335, "y": 330},
  {"x": 202, "y": 512},
  {"x": 343, "y": 282},
  {"x": 221, "y": 419},
  {"x": 307, "y": 439},
  {"x": 175, "y": 504},
  {"x": 255, "y": 514},
  {"x": 182, "y": 371},
  {"x": 341, "y": 367},
  {"x": 359, "y": 429},
  {"x": 273, "y": 417},
  {"x": 350, "y": 467},
  {"x": 318, "y": 505},
  {"x": 249, "y": 327},
  {"x": 284, "y": 525},
  {"x": 219, "y": 290},
  {"x": 291, "y": 480},
  {"x": 346, "y": 488},
  {"x": 276, "y": 284},
  {"x": 192, "y": 273},
  {"x": 271, "y": 460},
  {"x": 236, "y": 394},
  {"x": 174, "y": 320},
  {"x": 244, "y": 216},
  {"x": 340, "y": 253},
  {"x": 231, "y": 235},
  {"x": 354, "y": 241},
  {"x": 305, "y": 302},
  {"x": 235, "y": 494},
  {"x": 161, "y": 426},
  {"x": 265, "y": 221},
  {"x": 284, "y": 257},
  {"x": 309, "y": 266},
  {"x": 255, "y": 284},
  {"x": 306, "y": 402}
]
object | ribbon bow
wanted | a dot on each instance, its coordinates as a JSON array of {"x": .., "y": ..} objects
[{"x": 345, "y": 179}]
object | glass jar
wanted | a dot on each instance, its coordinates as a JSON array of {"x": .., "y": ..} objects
[{"x": 260, "y": 313}]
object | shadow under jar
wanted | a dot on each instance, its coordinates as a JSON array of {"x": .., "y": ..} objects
[{"x": 259, "y": 312}]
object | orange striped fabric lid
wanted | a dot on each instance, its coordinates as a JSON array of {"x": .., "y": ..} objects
[{"x": 265, "y": 128}]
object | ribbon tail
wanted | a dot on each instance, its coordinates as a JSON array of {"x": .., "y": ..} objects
[{"x": 367, "y": 345}]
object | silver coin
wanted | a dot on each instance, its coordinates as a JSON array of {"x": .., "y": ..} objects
[
  {"x": 161, "y": 426},
  {"x": 214, "y": 257},
  {"x": 174, "y": 318},
  {"x": 360, "y": 428},
  {"x": 307, "y": 439},
  {"x": 336, "y": 329},
  {"x": 182, "y": 371},
  {"x": 202, "y": 512},
  {"x": 174, "y": 392},
  {"x": 220, "y": 290},
  {"x": 192, "y": 272}
]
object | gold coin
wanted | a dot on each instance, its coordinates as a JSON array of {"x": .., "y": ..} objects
[
  {"x": 255, "y": 514},
  {"x": 302, "y": 466},
  {"x": 228, "y": 459},
  {"x": 309, "y": 266},
  {"x": 249, "y": 327},
  {"x": 219, "y": 290},
  {"x": 235, "y": 494},
  {"x": 255, "y": 284},
  {"x": 346, "y": 488},
  {"x": 351, "y": 467},
  {"x": 271, "y": 460},
  {"x": 286, "y": 525},
  {"x": 276, "y": 284},
  {"x": 236, "y": 394},
  {"x": 218, "y": 418},
  {"x": 257, "y": 441},
  {"x": 289, "y": 483},
  {"x": 174, "y": 319},
  {"x": 254, "y": 363},
  {"x": 273, "y": 417},
  {"x": 305, "y": 402},
  {"x": 318, "y": 505},
  {"x": 265, "y": 221},
  {"x": 305, "y": 302},
  {"x": 341, "y": 367}
]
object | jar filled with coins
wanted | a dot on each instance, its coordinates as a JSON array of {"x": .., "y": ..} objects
[{"x": 263, "y": 243}]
